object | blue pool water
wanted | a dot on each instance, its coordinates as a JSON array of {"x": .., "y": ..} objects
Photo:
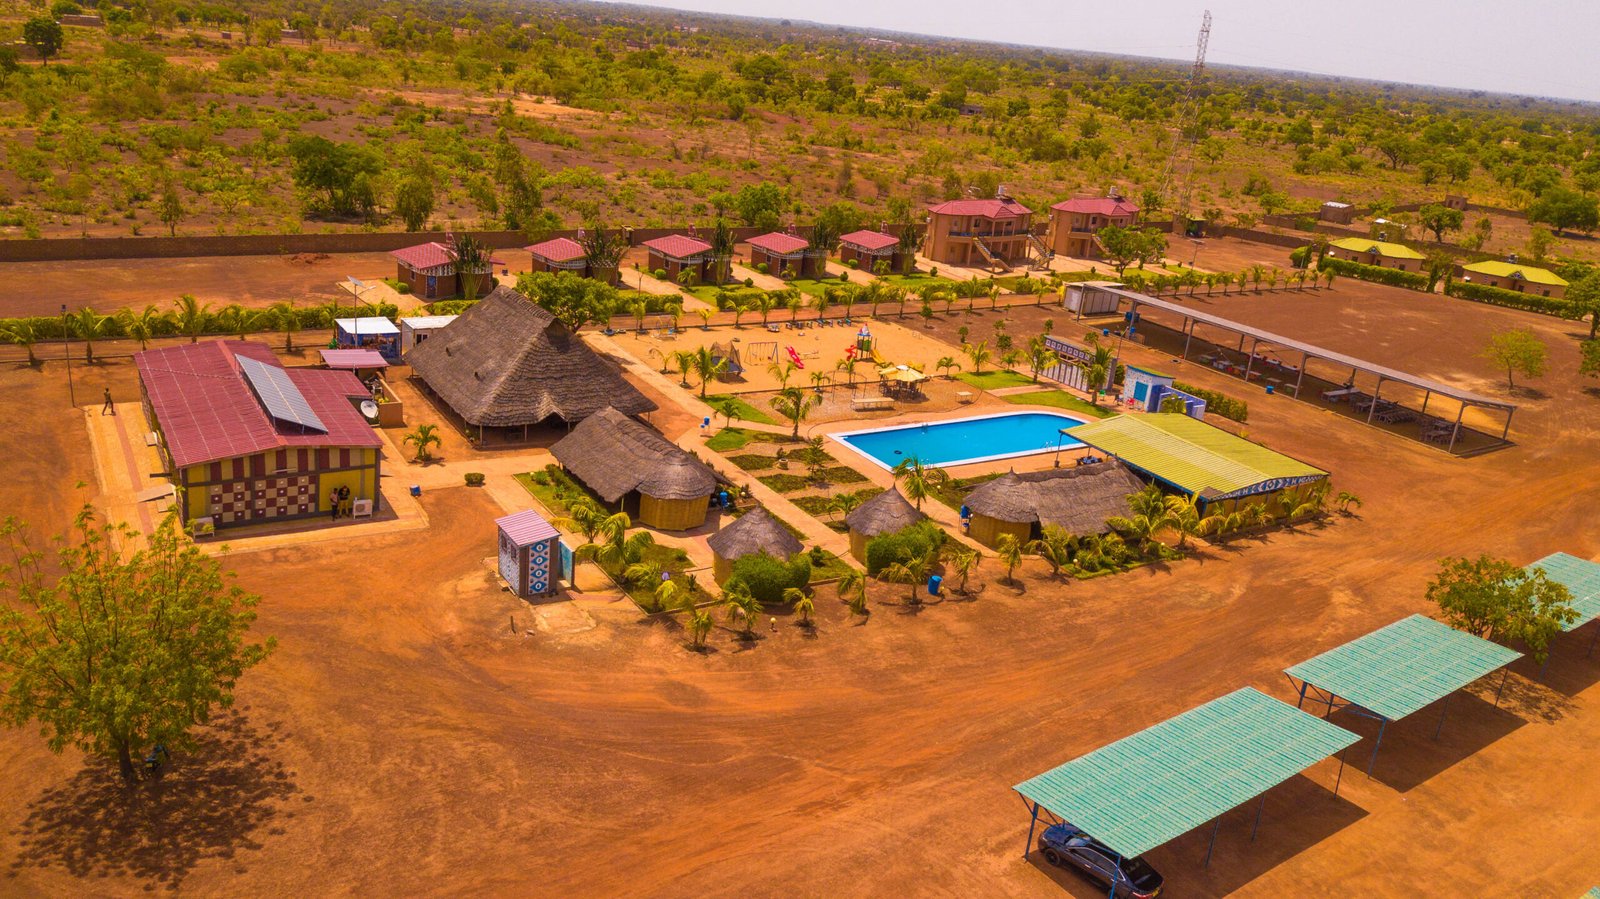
[{"x": 964, "y": 440}]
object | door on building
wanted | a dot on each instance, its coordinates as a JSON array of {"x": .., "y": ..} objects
[
  {"x": 433, "y": 286},
  {"x": 1141, "y": 390}
]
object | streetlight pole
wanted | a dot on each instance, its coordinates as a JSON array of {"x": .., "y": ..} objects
[{"x": 66, "y": 352}]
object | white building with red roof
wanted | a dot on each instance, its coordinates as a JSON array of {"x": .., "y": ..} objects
[
  {"x": 248, "y": 441},
  {"x": 985, "y": 233},
  {"x": 1074, "y": 223},
  {"x": 431, "y": 272}
]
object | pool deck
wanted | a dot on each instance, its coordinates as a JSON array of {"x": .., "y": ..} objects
[
  {"x": 972, "y": 461},
  {"x": 882, "y": 477}
]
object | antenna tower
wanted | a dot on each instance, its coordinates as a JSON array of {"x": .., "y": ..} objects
[{"x": 1182, "y": 144}]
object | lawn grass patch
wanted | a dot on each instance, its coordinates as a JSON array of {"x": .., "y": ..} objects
[
  {"x": 743, "y": 410},
  {"x": 825, "y": 566},
  {"x": 842, "y": 474},
  {"x": 1060, "y": 399},
  {"x": 785, "y": 483},
  {"x": 753, "y": 461},
  {"x": 994, "y": 380},
  {"x": 953, "y": 492},
  {"x": 729, "y": 439}
]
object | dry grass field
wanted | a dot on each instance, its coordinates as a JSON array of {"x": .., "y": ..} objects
[{"x": 404, "y": 740}]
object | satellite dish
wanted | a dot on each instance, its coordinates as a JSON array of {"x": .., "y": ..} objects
[{"x": 369, "y": 409}]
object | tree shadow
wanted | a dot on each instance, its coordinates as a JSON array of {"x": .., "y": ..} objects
[
  {"x": 1529, "y": 393},
  {"x": 209, "y": 804}
]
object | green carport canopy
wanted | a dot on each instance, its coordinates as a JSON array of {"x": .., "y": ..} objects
[
  {"x": 1160, "y": 783},
  {"x": 1582, "y": 580},
  {"x": 1400, "y": 669}
]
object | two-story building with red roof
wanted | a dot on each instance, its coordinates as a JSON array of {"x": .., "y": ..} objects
[
  {"x": 1075, "y": 222},
  {"x": 986, "y": 233}
]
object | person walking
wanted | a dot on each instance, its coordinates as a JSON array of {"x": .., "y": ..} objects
[{"x": 108, "y": 408}]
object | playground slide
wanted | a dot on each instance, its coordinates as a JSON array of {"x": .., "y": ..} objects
[
  {"x": 795, "y": 357},
  {"x": 877, "y": 359}
]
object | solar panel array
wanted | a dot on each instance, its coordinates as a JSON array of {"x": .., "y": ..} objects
[
  {"x": 1582, "y": 580},
  {"x": 283, "y": 400}
]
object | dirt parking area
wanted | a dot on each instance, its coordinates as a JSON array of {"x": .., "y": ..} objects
[{"x": 403, "y": 735}]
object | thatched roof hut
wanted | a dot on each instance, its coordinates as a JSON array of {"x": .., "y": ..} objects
[
  {"x": 886, "y": 513},
  {"x": 506, "y": 363},
  {"x": 1078, "y": 499},
  {"x": 659, "y": 484},
  {"x": 755, "y": 531}
]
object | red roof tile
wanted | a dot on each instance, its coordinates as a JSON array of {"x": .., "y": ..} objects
[
  {"x": 678, "y": 246},
  {"x": 870, "y": 240},
  {"x": 560, "y": 249},
  {"x": 779, "y": 242},
  {"x": 1098, "y": 206},
  {"x": 425, "y": 256},
  {"x": 206, "y": 410},
  {"x": 526, "y": 527},
  {"x": 994, "y": 208}
]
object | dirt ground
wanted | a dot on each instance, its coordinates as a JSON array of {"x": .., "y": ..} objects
[{"x": 403, "y": 736}]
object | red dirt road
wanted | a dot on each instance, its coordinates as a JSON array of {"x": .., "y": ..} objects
[{"x": 402, "y": 740}]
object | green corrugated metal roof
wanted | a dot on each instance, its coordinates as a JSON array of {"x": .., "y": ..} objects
[
  {"x": 1381, "y": 247},
  {"x": 1508, "y": 269},
  {"x": 1399, "y": 669},
  {"x": 1582, "y": 580},
  {"x": 1594, "y": 893},
  {"x": 1189, "y": 453},
  {"x": 1159, "y": 783}
]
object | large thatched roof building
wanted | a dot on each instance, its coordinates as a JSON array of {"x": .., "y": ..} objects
[
  {"x": 1078, "y": 499},
  {"x": 656, "y": 482},
  {"x": 756, "y": 531},
  {"x": 506, "y": 363},
  {"x": 886, "y": 513}
]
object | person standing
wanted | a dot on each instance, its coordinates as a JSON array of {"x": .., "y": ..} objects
[
  {"x": 333, "y": 504},
  {"x": 109, "y": 408}
]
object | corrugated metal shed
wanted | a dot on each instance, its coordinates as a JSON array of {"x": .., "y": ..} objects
[
  {"x": 1581, "y": 578},
  {"x": 1162, "y": 782},
  {"x": 1402, "y": 668},
  {"x": 526, "y": 527},
  {"x": 1191, "y": 454}
]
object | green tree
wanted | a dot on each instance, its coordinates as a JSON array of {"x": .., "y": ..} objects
[
  {"x": 699, "y": 623},
  {"x": 191, "y": 317},
  {"x": 414, "y": 201},
  {"x": 88, "y": 326},
  {"x": 287, "y": 318},
  {"x": 1584, "y": 295},
  {"x": 802, "y": 603},
  {"x": 1123, "y": 247},
  {"x": 1148, "y": 518},
  {"x": 140, "y": 326},
  {"x": 1589, "y": 358},
  {"x": 424, "y": 438},
  {"x": 739, "y": 605},
  {"x": 472, "y": 263},
  {"x": 795, "y": 405},
  {"x": 1008, "y": 552},
  {"x": 707, "y": 365},
  {"x": 112, "y": 651},
  {"x": 172, "y": 210},
  {"x": 978, "y": 354},
  {"x": 336, "y": 175},
  {"x": 1566, "y": 210},
  {"x": 1496, "y": 600},
  {"x": 575, "y": 301},
  {"x": 919, "y": 481},
  {"x": 1054, "y": 545},
  {"x": 44, "y": 36},
  {"x": 1439, "y": 218},
  {"x": 21, "y": 332},
  {"x": 852, "y": 588},
  {"x": 1518, "y": 351}
]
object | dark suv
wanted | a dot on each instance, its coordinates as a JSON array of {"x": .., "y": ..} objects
[{"x": 1068, "y": 847}]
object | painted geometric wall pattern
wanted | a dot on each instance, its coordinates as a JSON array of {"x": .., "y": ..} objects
[
  {"x": 539, "y": 568},
  {"x": 262, "y": 499}
]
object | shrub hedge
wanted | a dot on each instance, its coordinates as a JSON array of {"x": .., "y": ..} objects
[
  {"x": 49, "y": 327},
  {"x": 907, "y": 543},
  {"x": 1218, "y": 403},
  {"x": 1499, "y": 296},
  {"x": 1375, "y": 273},
  {"x": 767, "y": 577}
]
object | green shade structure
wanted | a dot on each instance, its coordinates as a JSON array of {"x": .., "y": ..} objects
[
  {"x": 1582, "y": 580},
  {"x": 1162, "y": 782},
  {"x": 1397, "y": 670},
  {"x": 1194, "y": 457}
]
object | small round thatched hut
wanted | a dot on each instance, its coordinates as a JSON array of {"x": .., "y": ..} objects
[
  {"x": 656, "y": 482},
  {"x": 1079, "y": 499},
  {"x": 755, "y": 531},
  {"x": 887, "y": 513}
]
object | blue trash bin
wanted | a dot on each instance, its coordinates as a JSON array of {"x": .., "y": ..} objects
[
  {"x": 416, "y": 490},
  {"x": 934, "y": 583},
  {"x": 1269, "y": 389}
]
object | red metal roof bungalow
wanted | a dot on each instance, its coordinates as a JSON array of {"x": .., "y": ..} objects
[
  {"x": 868, "y": 248},
  {"x": 248, "y": 441},
  {"x": 1074, "y": 223},
  {"x": 430, "y": 270},
  {"x": 563, "y": 254},
  {"x": 781, "y": 253},
  {"x": 676, "y": 253},
  {"x": 983, "y": 233}
]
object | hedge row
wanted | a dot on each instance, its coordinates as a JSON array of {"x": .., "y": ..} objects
[
  {"x": 903, "y": 545},
  {"x": 255, "y": 321},
  {"x": 767, "y": 577},
  {"x": 1220, "y": 404},
  {"x": 1375, "y": 273},
  {"x": 1499, "y": 296}
]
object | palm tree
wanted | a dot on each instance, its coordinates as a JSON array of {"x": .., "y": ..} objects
[
  {"x": 585, "y": 516},
  {"x": 795, "y": 405},
  {"x": 699, "y": 623},
  {"x": 962, "y": 565},
  {"x": 288, "y": 319},
  {"x": 737, "y": 603},
  {"x": 913, "y": 572},
  {"x": 1327, "y": 279},
  {"x": 706, "y": 365},
  {"x": 1186, "y": 517},
  {"x": 233, "y": 319},
  {"x": 848, "y": 294},
  {"x": 22, "y": 333},
  {"x": 140, "y": 326},
  {"x": 852, "y": 588},
  {"x": 729, "y": 409},
  {"x": 1008, "y": 551},
  {"x": 1345, "y": 500},
  {"x": 1098, "y": 372},
  {"x": 848, "y": 366},
  {"x": 804, "y": 605},
  {"x": 1149, "y": 518},
  {"x": 739, "y": 310},
  {"x": 1054, "y": 546},
  {"x": 821, "y": 301},
  {"x": 782, "y": 371},
  {"x": 919, "y": 481},
  {"x": 705, "y": 313},
  {"x": 424, "y": 437},
  {"x": 765, "y": 303},
  {"x": 640, "y": 309},
  {"x": 793, "y": 303},
  {"x": 844, "y": 503},
  {"x": 1010, "y": 358},
  {"x": 819, "y": 380},
  {"x": 191, "y": 317},
  {"x": 88, "y": 326},
  {"x": 682, "y": 359},
  {"x": 945, "y": 364},
  {"x": 979, "y": 353},
  {"x": 1256, "y": 274}
]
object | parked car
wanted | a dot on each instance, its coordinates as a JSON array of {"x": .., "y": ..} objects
[{"x": 1066, "y": 846}]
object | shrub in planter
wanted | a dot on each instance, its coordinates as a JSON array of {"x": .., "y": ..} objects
[
  {"x": 474, "y": 479},
  {"x": 763, "y": 268},
  {"x": 902, "y": 545},
  {"x": 854, "y": 263},
  {"x": 768, "y": 577},
  {"x": 659, "y": 274}
]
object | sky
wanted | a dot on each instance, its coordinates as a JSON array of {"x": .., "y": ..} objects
[{"x": 1535, "y": 47}]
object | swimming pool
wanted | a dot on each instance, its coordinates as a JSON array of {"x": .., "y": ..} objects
[{"x": 982, "y": 438}]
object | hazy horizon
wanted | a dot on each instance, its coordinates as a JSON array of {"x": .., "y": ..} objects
[{"x": 1466, "y": 47}]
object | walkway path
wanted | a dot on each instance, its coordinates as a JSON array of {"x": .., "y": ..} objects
[{"x": 765, "y": 282}]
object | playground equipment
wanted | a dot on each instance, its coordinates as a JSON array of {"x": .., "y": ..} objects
[
  {"x": 794, "y": 356},
  {"x": 734, "y": 370},
  {"x": 763, "y": 351},
  {"x": 867, "y": 346}
]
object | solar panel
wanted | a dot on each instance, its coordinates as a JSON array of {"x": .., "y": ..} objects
[{"x": 283, "y": 400}]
